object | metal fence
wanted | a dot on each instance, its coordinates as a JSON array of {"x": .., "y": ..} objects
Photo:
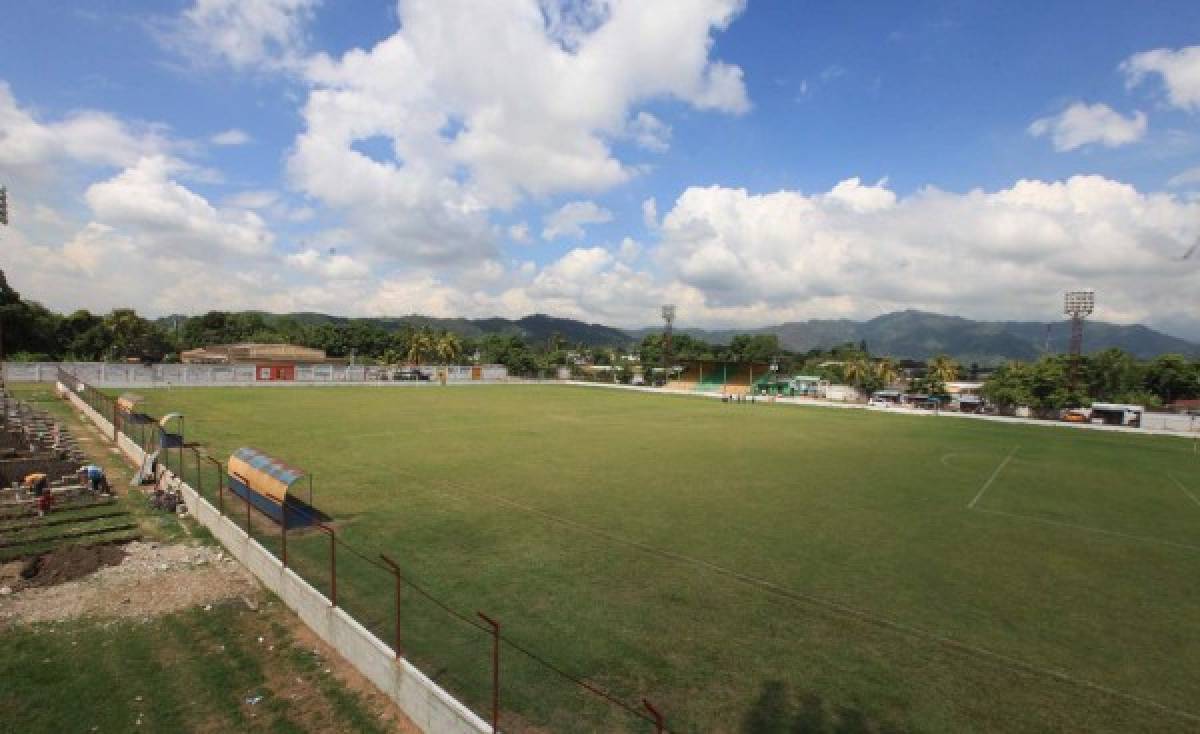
[{"x": 506, "y": 681}]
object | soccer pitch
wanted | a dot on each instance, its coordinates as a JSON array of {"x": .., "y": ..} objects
[{"x": 752, "y": 567}]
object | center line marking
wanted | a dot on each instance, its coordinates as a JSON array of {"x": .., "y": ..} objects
[
  {"x": 1183, "y": 488},
  {"x": 992, "y": 478}
]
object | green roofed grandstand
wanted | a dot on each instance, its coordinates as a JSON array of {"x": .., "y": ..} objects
[{"x": 733, "y": 378}]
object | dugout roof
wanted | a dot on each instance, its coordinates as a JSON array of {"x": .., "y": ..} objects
[{"x": 264, "y": 474}]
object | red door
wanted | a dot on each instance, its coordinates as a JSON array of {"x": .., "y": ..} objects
[{"x": 286, "y": 372}]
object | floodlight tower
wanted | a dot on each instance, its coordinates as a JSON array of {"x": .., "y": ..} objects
[
  {"x": 1078, "y": 305},
  {"x": 668, "y": 316}
]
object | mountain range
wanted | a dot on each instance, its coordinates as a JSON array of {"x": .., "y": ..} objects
[
  {"x": 921, "y": 335},
  {"x": 903, "y": 334}
]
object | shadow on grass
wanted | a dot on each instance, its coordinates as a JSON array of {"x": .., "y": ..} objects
[{"x": 775, "y": 712}]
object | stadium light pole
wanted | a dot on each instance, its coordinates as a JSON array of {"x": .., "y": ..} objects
[
  {"x": 668, "y": 315},
  {"x": 1078, "y": 305}
]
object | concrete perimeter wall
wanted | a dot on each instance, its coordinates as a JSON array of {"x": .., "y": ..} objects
[
  {"x": 102, "y": 374},
  {"x": 422, "y": 700},
  {"x": 1155, "y": 424}
]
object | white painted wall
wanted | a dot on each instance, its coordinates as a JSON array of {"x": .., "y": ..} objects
[{"x": 100, "y": 374}]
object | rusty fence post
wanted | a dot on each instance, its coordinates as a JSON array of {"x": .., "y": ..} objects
[
  {"x": 395, "y": 572},
  {"x": 495, "y": 670},
  {"x": 332, "y": 562},
  {"x": 220, "y": 486},
  {"x": 246, "y": 484},
  {"x": 658, "y": 718},
  {"x": 283, "y": 529},
  {"x": 199, "y": 472}
]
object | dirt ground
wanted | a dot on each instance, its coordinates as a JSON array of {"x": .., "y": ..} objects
[
  {"x": 60, "y": 565},
  {"x": 147, "y": 579}
]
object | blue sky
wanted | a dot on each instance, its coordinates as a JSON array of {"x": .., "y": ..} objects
[{"x": 753, "y": 162}]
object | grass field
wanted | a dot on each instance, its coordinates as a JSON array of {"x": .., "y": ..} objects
[
  {"x": 754, "y": 568},
  {"x": 188, "y": 671},
  {"x": 191, "y": 671}
]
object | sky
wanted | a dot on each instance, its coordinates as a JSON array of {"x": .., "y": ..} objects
[{"x": 752, "y": 162}]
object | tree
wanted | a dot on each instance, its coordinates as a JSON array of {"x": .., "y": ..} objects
[
  {"x": 421, "y": 344},
  {"x": 1048, "y": 386},
  {"x": 943, "y": 369},
  {"x": 1113, "y": 375},
  {"x": 1171, "y": 378},
  {"x": 509, "y": 350},
  {"x": 448, "y": 347},
  {"x": 886, "y": 372},
  {"x": 1008, "y": 387},
  {"x": 134, "y": 336},
  {"x": 858, "y": 372}
]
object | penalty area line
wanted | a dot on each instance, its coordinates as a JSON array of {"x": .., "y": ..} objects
[
  {"x": 1183, "y": 488},
  {"x": 988, "y": 483},
  {"x": 1089, "y": 529}
]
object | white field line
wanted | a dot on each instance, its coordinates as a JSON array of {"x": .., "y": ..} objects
[
  {"x": 988, "y": 483},
  {"x": 835, "y": 607},
  {"x": 1183, "y": 488},
  {"x": 1090, "y": 529}
]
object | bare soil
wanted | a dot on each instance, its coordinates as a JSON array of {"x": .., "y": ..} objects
[
  {"x": 147, "y": 579},
  {"x": 68, "y": 563}
]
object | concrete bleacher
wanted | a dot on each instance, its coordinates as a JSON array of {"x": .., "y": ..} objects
[{"x": 731, "y": 379}]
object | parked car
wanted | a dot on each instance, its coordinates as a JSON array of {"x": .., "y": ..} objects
[{"x": 411, "y": 374}]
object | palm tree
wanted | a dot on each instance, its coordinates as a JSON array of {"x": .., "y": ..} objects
[
  {"x": 855, "y": 371},
  {"x": 943, "y": 369},
  {"x": 448, "y": 347},
  {"x": 420, "y": 345},
  {"x": 886, "y": 371}
]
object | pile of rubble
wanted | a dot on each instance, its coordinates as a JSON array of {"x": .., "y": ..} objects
[{"x": 150, "y": 579}]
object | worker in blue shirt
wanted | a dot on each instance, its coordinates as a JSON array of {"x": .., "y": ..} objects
[{"x": 94, "y": 477}]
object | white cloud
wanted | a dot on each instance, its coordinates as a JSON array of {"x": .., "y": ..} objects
[
  {"x": 650, "y": 213},
  {"x": 650, "y": 133},
  {"x": 34, "y": 149},
  {"x": 477, "y": 125},
  {"x": 1083, "y": 124},
  {"x": 861, "y": 199},
  {"x": 232, "y": 136},
  {"x": 332, "y": 265},
  {"x": 629, "y": 251},
  {"x": 166, "y": 218},
  {"x": 569, "y": 219},
  {"x": 255, "y": 199},
  {"x": 725, "y": 256},
  {"x": 519, "y": 233},
  {"x": 245, "y": 33},
  {"x": 1185, "y": 178},
  {"x": 745, "y": 258},
  {"x": 1178, "y": 69}
]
